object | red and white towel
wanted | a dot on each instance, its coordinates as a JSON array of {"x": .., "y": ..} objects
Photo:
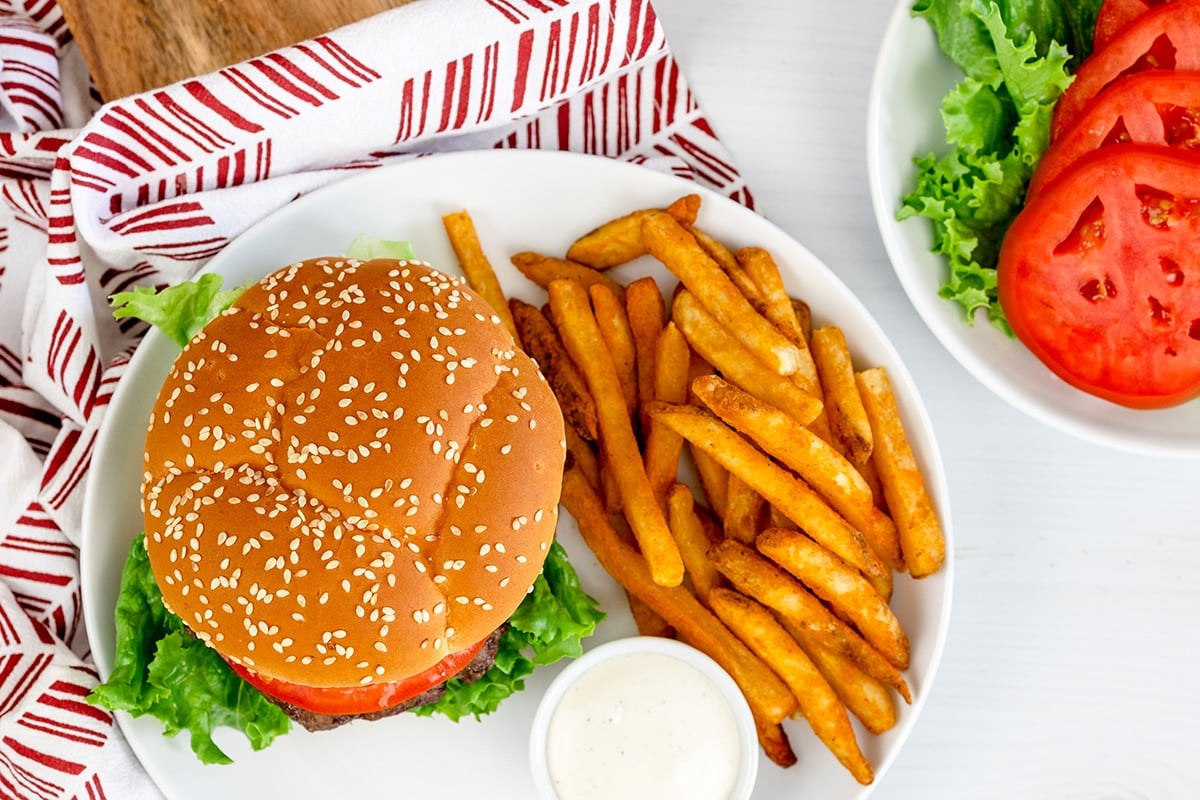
[{"x": 144, "y": 190}]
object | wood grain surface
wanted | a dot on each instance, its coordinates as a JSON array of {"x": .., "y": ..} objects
[{"x": 134, "y": 45}]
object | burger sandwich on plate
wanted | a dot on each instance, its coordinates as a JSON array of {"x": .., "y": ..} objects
[{"x": 350, "y": 493}]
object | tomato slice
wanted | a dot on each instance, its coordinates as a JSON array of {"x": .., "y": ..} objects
[
  {"x": 360, "y": 699},
  {"x": 1167, "y": 37},
  {"x": 1156, "y": 107},
  {"x": 1116, "y": 15},
  {"x": 1097, "y": 275}
]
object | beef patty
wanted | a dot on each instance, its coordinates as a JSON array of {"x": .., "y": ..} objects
[{"x": 474, "y": 670}]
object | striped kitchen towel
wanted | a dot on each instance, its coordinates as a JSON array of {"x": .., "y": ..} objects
[{"x": 96, "y": 198}]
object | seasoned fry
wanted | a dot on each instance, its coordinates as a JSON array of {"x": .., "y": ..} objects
[
  {"x": 646, "y": 309},
  {"x": 778, "y": 486},
  {"x": 620, "y": 241},
  {"x": 714, "y": 479},
  {"x": 583, "y": 456},
  {"x": 843, "y": 403},
  {"x": 678, "y": 250},
  {"x": 728, "y": 262},
  {"x": 819, "y": 704},
  {"x": 754, "y": 576},
  {"x": 720, "y": 349},
  {"x": 663, "y": 445},
  {"x": 581, "y": 336},
  {"x": 760, "y": 266},
  {"x": 460, "y": 229},
  {"x": 922, "y": 540},
  {"x": 542, "y": 269},
  {"x": 768, "y": 696},
  {"x": 847, "y": 593},
  {"x": 693, "y": 541},
  {"x": 803, "y": 317},
  {"x": 774, "y": 742},
  {"x": 865, "y": 697},
  {"x": 647, "y": 620},
  {"x": 743, "y": 510},
  {"x": 539, "y": 339},
  {"x": 812, "y": 458},
  {"x": 614, "y": 329}
]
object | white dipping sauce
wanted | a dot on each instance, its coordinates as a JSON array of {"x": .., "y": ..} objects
[{"x": 643, "y": 725}]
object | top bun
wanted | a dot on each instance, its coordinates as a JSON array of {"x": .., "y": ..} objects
[{"x": 350, "y": 474}]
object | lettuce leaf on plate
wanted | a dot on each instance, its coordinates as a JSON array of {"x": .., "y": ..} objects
[
  {"x": 550, "y": 624},
  {"x": 367, "y": 247},
  {"x": 162, "y": 670},
  {"x": 1015, "y": 62},
  {"x": 179, "y": 311}
]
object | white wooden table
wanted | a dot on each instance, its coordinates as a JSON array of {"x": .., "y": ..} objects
[{"x": 1070, "y": 670}]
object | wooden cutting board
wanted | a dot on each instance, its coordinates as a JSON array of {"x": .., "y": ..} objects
[{"x": 134, "y": 45}]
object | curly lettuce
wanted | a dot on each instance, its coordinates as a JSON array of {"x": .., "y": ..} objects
[{"x": 1016, "y": 58}]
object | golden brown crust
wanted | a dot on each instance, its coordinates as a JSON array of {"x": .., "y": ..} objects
[{"x": 351, "y": 474}]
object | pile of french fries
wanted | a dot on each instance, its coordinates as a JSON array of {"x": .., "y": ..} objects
[{"x": 808, "y": 500}]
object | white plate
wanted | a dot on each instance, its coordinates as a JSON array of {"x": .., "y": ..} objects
[
  {"x": 520, "y": 200},
  {"x": 911, "y": 77}
]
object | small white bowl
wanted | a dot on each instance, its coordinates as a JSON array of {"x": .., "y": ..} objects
[
  {"x": 903, "y": 120},
  {"x": 621, "y": 682}
]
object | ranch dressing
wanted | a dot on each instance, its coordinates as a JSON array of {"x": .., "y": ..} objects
[{"x": 643, "y": 725}]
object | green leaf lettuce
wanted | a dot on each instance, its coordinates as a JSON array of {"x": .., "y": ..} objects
[
  {"x": 997, "y": 122},
  {"x": 162, "y": 670}
]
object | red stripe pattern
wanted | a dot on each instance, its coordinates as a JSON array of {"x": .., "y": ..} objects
[{"x": 97, "y": 199}]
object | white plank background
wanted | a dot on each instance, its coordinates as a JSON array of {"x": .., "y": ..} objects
[{"x": 1070, "y": 670}]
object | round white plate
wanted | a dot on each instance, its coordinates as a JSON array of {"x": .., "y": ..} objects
[
  {"x": 903, "y": 121},
  {"x": 520, "y": 200}
]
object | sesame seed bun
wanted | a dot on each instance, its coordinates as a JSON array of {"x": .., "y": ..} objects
[{"x": 350, "y": 474}]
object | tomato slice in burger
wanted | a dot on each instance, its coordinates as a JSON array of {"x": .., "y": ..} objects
[
  {"x": 360, "y": 699},
  {"x": 1156, "y": 107},
  {"x": 1098, "y": 275},
  {"x": 1115, "y": 16},
  {"x": 1167, "y": 37}
]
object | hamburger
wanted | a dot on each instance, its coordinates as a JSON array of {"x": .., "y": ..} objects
[{"x": 350, "y": 485}]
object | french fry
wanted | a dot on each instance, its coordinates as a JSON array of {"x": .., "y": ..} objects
[
  {"x": 662, "y": 445},
  {"x": 693, "y": 541},
  {"x": 647, "y": 620},
  {"x": 542, "y": 269},
  {"x": 743, "y": 510},
  {"x": 843, "y": 403},
  {"x": 460, "y": 229},
  {"x": 714, "y": 479},
  {"x": 865, "y": 697},
  {"x": 620, "y": 241},
  {"x": 614, "y": 329},
  {"x": 755, "y": 576},
  {"x": 720, "y": 349},
  {"x": 922, "y": 540},
  {"x": 581, "y": 336},
  {"x": 646, "y": 309},
  {"x": 774, "y": 742},
  {"x": 729, "y": 263},
  {"x": 761, "y": 268},
  {"x": 539, "y": 339},
  {"x": 803, "y": 317},
  {"x": 582, "y": 455},
  {"x": 812, "y": 458},
  {"x": 847, "y": 593},
  {"x": 677, "y": 249},
  {"x": 777, "y": 485},
  {"x": 819, "y": 703},
  {"x": 767, "y": 695}
]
